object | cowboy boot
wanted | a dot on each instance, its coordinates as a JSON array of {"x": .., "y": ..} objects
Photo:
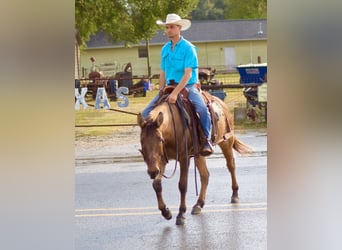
[{"x": 207, "y": 148}]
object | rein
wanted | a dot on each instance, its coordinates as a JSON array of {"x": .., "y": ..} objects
[
  {"x": 117, "y": 110},
  {"x": 179, "y": 106},
  {"x": 184, "y": 123},
  {"x": 165, "y": 152}
]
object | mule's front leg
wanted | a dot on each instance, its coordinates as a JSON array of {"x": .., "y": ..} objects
[
  {"x": 183, "y": 187},
  {"x": 157, "y": 186}
]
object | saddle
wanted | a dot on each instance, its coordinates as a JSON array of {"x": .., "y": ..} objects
[{"x": 190, "y": 118}]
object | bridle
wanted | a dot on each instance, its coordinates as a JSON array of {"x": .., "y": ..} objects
[
  {"x": 166, "y": 157},
  {"x": 162, "y": 140}
]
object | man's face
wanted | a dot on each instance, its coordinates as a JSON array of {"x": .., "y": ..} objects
[{"x": 173, "y": 30}]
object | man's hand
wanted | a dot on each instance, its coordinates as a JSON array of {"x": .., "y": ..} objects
[{"x": 172, "y": 98}]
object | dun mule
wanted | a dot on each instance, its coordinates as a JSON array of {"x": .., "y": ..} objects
[{"x": 162, "y": 138}]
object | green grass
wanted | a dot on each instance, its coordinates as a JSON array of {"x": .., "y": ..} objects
[
  {"x": 249, "y": 124},
  {"x": 91, "y": 116}
]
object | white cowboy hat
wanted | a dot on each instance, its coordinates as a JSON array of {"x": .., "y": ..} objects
[{"x": 175, "y": 19}]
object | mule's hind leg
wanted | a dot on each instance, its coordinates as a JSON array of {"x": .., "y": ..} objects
[
  {"x": 227, "y": 150},
  {"x": 204, "y": 173}
]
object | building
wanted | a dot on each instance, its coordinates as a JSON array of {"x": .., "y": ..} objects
[{"x": 222, "y": 44}]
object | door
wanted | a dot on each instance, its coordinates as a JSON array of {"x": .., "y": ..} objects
[{"x": 230, "y": 59}]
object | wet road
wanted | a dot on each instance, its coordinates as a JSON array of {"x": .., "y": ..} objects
[{"x": 116, "y": 207}]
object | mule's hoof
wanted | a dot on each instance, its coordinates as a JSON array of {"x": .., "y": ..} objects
[
  {"x": 167, "y": 214},
  {"x": 234, "y": 200},
  {"x": 180, "y": 220},
  {"x": 196, "y": 209}
]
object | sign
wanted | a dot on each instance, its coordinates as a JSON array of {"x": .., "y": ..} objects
[
  {"x": 101, "y": 98},
  {"x": 80, "y": 98},
  {"x": 119, "y": 93}
]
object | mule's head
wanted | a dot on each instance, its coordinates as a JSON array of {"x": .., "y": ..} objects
[{"x": 152, "y": 144}]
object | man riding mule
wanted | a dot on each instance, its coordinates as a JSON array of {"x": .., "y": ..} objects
[
  {"x": 162, "y": 139},
  {"x": 166, "y": 135},
  {"x": 179, "y": 66}
]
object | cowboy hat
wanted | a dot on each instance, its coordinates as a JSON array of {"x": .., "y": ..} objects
[{"x": 175, "y": 19}]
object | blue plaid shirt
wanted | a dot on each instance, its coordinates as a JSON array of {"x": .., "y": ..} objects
[{"x": 173, "y": 63}]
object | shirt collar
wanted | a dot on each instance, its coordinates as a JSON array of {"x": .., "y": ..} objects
[{"x": 180, "y": 40}]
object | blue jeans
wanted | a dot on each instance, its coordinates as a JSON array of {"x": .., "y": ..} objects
[{"x": 200, "y": 107}]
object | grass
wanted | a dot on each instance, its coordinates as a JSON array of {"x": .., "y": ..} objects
[
  {"x": 248, "y": 124},
  {"x": 91, "y": 116}
]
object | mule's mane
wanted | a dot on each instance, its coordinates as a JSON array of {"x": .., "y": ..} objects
[{"x": 163, "y": 108}]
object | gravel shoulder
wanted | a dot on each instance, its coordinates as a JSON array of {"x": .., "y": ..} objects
[
  {"x": 122, "y": 144},
  {"x": 125, "y": 144}
]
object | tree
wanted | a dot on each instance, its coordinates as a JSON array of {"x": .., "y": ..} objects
[
  {"x": 245, "y": 9},
  {"x": 126, "y": 20},
  {"x": 209, "y": 10},
  {"x": 229, "y": 9},
  {"x": 143, "y": 15},
  {"x": 92, "y": 16}
]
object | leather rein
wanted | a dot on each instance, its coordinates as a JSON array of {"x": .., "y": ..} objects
[{"x": 164, "y": 147}]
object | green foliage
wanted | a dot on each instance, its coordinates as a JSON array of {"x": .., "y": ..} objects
[
  {"x": 180, "y": 7},
  {"x": 229, "y": 9},
  {"x": 245, "y": 9},
  {"x": 92, "y": 16},
  {"x": 134, "y": 20},
  {"x": 126, "y": 20},
  {"x": 209, "y": 10}
]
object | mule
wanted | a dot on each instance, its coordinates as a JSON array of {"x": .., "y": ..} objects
[{"x": 164, "y": 137}]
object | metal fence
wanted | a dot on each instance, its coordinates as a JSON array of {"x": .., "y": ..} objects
[{"x": 104, "y": 122}]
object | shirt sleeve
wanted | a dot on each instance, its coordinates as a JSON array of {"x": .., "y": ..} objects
[
  {"x": 163, "y": 56},
  {"x": 191, "y": 60}
]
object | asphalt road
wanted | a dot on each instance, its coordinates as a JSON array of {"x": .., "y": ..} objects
[{"x": 116, "y": 207}]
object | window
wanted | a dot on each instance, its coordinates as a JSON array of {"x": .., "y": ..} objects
[{"x": 142, "y": 52}]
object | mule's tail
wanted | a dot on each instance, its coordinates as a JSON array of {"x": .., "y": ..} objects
[{"x": 241, "y": 147}]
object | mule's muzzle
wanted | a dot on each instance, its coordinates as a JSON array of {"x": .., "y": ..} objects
[{"x": 153, "y": 173}]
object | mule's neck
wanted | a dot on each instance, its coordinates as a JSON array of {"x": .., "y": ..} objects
[{"x": 167, "y": 127}]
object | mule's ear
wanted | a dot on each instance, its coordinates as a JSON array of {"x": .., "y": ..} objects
[
  {"x": 141, "y": 120},
  {"x": 160, "y": 119}
]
